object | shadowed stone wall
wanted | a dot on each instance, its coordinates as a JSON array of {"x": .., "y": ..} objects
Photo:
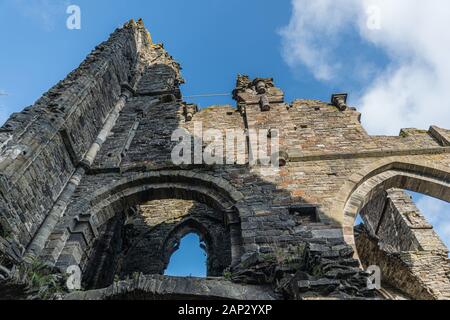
[{"x": 143, "y": 240}]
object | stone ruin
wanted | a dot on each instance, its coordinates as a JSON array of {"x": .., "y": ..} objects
[{"x": 87, "y": 183}]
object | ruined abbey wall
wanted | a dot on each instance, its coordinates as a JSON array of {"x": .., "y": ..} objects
[
  {"x": 44, "y": 144},
  {"x": 87, "y": 177}
]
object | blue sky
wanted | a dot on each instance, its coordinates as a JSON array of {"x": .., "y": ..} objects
[
  {"x": 214, "y": 40},
  {"x": 189, "y": 260},
  {"x": 376, "y": 50}
]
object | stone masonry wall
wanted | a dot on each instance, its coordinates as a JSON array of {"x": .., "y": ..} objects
[{"x": 42, "y": 145}]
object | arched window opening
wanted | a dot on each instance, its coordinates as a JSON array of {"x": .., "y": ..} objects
[
  {"x": 400, "y": 235},
  {"x": 189, "y": 258},
  {"x": 211, "y": 239},
  {"x": 405, "y": 221},
  {"x": 359, "y": 225},
  {"x": 190, "y": 236},
  {"x": 358, "y": 221}
]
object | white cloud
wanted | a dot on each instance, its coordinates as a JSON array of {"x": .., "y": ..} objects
[
  {"x": 412, "y": 90},
  {"x": 311, "y": 36}
]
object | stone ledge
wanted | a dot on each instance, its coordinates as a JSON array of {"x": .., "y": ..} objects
[
  {"x": 299, "y": 156},
  {"x": 157, "y": 287}
]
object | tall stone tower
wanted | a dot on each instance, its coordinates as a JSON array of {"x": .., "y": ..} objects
[{"x": 88, "y": 186}]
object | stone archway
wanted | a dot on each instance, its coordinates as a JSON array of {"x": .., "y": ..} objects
[
  {"x": 402, "y": 256},
  {"x": 143, "y": 239},
  {"x": 425, "y": 178},
  {"x": 125, "y": 193}
]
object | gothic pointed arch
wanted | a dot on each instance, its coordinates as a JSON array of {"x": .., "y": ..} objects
[
  {"x": 396, "y": 236},
  {"x": 118, "y": 197}
]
